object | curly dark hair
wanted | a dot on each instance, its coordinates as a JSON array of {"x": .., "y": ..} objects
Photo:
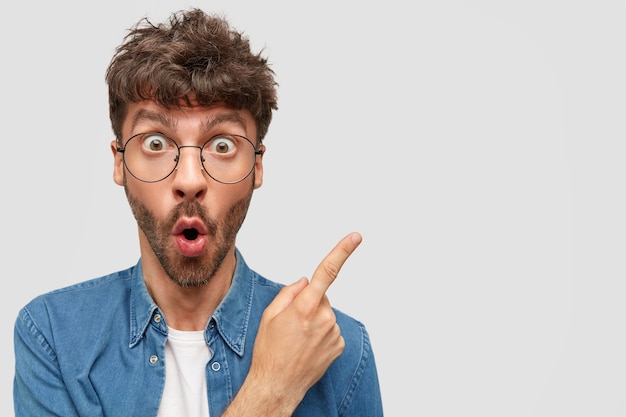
[{"x": 194, "y": 56}]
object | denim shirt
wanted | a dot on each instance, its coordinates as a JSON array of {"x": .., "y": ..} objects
[{"x": 97, "y": 348}]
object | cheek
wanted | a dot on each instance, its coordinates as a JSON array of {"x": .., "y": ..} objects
[
  {"x": 151, "y": 196},
  {"x": 221, "y": 198}
]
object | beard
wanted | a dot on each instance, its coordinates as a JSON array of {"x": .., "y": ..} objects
[{"x": 185, "y": 271}]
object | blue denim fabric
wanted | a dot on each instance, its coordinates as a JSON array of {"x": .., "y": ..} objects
[{"x": 97, "y": 348}]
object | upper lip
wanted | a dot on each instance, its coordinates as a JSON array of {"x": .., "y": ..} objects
[{"x": 189, "y": 223}]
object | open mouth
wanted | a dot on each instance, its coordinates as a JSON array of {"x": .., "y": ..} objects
[{"x": 190, "y": 234}]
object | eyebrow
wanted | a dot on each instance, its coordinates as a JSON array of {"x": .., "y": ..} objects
[
  {"x": 230, "y": 116},
  {"x": 161, "y": 118},
  {"x": 170, "y": 122}
]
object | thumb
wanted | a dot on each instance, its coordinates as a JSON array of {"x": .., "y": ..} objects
[{"x": 284, "y": 297}]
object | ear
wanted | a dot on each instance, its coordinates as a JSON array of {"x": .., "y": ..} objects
[
  {"x": 118, "y": 164},
  {"x": 258, "y": 168}
]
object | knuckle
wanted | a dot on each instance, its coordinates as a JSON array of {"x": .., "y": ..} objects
[
  {"x": 328, "y": 316},
  {"x": 341, "y": 344},
  {"x": 331, "y": 269}
]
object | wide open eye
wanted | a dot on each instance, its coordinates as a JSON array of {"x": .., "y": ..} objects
[
  {"x": 154, "y": 143},
  {"x": 221, "y": 145}
]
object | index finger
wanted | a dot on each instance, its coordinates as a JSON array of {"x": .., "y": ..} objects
[{"x": 329, "y": 268}]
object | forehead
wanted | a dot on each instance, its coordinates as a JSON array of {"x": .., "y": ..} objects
[{"x": 148, "y": 115}]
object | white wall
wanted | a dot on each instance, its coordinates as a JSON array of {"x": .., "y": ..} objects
[{"x": 478, "y": 146}]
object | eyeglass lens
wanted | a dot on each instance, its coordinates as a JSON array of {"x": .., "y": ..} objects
[{"x": 152, "y": 157}]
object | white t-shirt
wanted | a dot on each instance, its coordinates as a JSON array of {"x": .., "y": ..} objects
[{"x": 186, "y": 358}]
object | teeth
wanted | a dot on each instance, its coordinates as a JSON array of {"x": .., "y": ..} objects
[{"x": 190, "y": 234}]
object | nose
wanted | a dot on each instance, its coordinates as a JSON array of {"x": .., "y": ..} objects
[{"x": 190, "y": 179}]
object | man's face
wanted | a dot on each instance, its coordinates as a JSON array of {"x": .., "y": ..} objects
[{"x": 188, "y": 221}]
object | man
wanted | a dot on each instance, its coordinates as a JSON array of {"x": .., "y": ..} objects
[{"x": 191, "y": 330}]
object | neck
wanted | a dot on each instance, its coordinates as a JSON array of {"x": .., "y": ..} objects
[{"x": 186, "y": 308}]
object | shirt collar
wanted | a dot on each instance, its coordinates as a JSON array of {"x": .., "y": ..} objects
[
  {"x": 233, "y": 314},
  {"x": 231, "y": 317},
  {"x": 142, "y": 306}
]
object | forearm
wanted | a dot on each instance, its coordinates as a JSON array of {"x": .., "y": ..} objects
[{"x": 258, "y": 398}]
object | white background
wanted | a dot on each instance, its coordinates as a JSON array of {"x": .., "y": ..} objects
[{"x": 478, "y": 146}]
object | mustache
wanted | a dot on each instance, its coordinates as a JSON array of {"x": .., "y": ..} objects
[{"x": 191, "y": 209}]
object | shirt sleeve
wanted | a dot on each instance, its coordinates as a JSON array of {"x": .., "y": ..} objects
[
  {"x": 38, "y": 386},
  {"x": 363, "y": 397}
]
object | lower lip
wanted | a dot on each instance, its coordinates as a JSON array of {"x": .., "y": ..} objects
[{"x": 191, "y": 248}]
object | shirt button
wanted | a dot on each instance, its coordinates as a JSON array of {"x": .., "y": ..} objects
[
  {"x": 153, "y": 359},
  {"x": 216, "y": 366},
  {"x": 157, "y": 318}
]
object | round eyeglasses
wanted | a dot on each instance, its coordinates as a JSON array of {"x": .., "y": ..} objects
[{"x": 153, "y": 156}]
